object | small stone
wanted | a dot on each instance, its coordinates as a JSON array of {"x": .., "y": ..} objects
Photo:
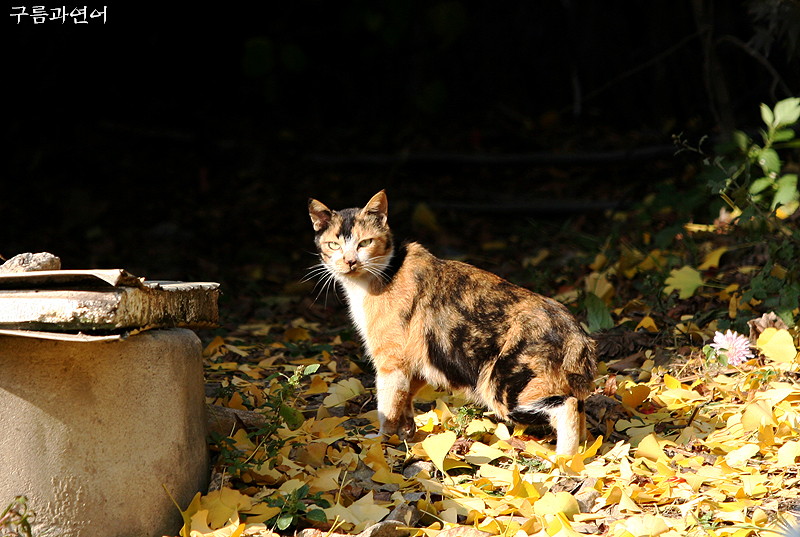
[
  {"x": 405, "y": 513},
  {"x": 463, "y": 531},
  {"x": 417, "y": 467},
  {"x": 568, "y": 484},
  {"x": 389, "y": 528},
  {"x": 414, "y": 496},
  {"x": 314, "y": 532},
  {"x": 586, "y": 500},
  {"x": 29, "y": 262}
]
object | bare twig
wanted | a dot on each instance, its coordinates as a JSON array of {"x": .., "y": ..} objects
[{"x": 777, "y": 79}]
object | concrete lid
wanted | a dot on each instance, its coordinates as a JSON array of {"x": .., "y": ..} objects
[
  {"x": 63, "y": 336},
  {"x": 51, "y": 278},
  {"x": 92, "y": 301}
]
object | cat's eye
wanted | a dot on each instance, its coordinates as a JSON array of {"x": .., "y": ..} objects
[
  {"x": 334, "y": 245},
  {"x": 365, "y": 243}
]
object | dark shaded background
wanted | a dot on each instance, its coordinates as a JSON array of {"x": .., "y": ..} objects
[{"x": 182, "y": 142}]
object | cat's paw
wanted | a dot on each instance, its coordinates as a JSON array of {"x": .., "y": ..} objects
[
  {"x": 407, "y": 431},
  {"x": 404, "y": 427}
]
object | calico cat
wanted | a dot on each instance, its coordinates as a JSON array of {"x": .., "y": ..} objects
[{"x": 447, "y": 323}]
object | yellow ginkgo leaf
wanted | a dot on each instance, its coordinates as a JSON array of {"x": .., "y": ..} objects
[
  {"x": 756, "y": 414},
  {"x": 261, "y": 513},
  {"x": 777, "y": 345},
  {"x": 626, "y": 504},
  {"x": 437, "y": 446},
  {"x": 558, "y": 525},
  {"x": 711, "y": 259},
  {"x": 188, "y": 513},
  {"x": 200, "y": 527},
  {"x": 343, "y": 391},
  {"x": 384, "y": 475},
  {"x": 635, "y": 395},
  {"x": 785, "y": 211},
  {"x": 359, "y": 514},
  {"x": 652, "y": 447},
  {"x": 521, "y": 488},
  {"x": 685, "y": 280},
  {"x": 480, "y": 453},
  {"x": 754, "y": 485},
  {"x": 236, "y": 402},
  {"x": 214, "y": 347},
  {"x": 599, "y": 262},
  {"x": 318, "y": 385},
  {"x": 598, "y": 283},
  {"x": 648, "y": 324},
  {"x": 641, "y": 526},
  {"x": 741, "y": 456},
  {"x": 224, "y": 505},
  {"x": 788, "y": 453},
  {"x": 560, "y": 502},
  {"x": 326, "y": 479},
  {"x": 296, "y": 333}
]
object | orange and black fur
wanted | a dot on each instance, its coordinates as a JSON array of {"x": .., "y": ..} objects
[{"x": 447, "y": 323}]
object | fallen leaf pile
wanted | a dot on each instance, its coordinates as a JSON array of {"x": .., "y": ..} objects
[
  {"x": 690, "y": 449},
  {"x": 694, "y": 423}
]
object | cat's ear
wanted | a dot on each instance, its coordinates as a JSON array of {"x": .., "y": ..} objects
[
  {"x": 378, "y": 205},
  {"x": 319, "y": 213}
]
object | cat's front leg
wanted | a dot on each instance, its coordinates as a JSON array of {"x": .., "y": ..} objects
[{"x": 395, "y": 392}]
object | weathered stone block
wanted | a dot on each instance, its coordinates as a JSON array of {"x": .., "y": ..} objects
[{"x": 91, "y": 431}]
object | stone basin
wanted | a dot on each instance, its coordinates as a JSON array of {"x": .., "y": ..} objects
[{"x": 98, "y": 430}]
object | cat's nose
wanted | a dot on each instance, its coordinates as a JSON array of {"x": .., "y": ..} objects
[{"x": 351, "y": 262}]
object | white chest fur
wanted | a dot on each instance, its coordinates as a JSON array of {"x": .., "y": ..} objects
[{"x": 356, "y": 291}]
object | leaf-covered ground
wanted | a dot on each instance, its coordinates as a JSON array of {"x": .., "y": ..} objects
[
  {"x": 685, "y": 440},
  {"x": 694, "y": 421}
]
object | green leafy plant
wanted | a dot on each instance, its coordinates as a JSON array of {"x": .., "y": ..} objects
[
  {"x": 777, "y": 289},
  {"x": 233, "y": 459},
  {"x": 598, "y": 316},
  {"x": 779, "y": 190},
  {"x": 748, "y": 175},
  {"x": 752, "y": 179},
  {"x": 533, "y": 464},
  {"x": 280, "y": 411},
  {"x": 708, "y": 521},
  {"x": 298, "y": 505},
  {"x": 463, "y": 417},
  {"x": 15, "y": 520}
]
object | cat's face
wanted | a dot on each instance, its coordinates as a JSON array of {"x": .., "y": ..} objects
[{"x": 353, "y": 243}]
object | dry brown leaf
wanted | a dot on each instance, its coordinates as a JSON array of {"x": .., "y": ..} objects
[{"x": 768, "y": 320}]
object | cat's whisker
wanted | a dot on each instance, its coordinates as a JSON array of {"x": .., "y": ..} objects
[
  {"x": 377, "y": 272},
  {"x": 325, "y": 280},
  {"x": 325, "y": 284},
  {"x": 315, "y": 272},
  {"x": 317, "y": 266},
  {"x": 322, "y": 289},
  {"x": 321, "y": 282},
  {"x": 383, "y": 259},
  {"x": 331, "y": 286},
  {"x": 377, "y": 266}
]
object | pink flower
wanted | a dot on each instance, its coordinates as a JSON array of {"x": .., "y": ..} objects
[{"x": 733, "y": 345}]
